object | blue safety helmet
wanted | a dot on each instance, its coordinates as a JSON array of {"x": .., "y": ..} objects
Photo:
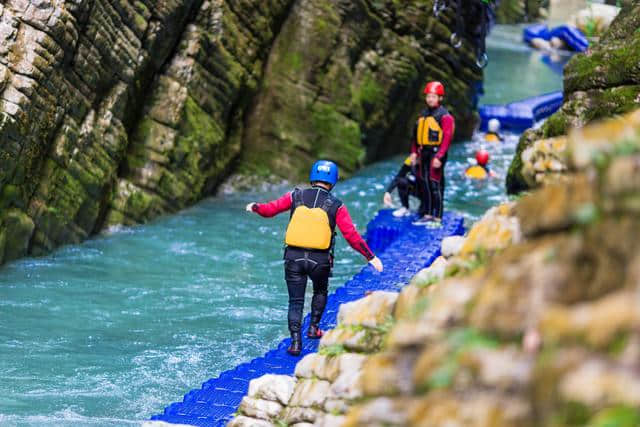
[{"x": 324, "y": 171}]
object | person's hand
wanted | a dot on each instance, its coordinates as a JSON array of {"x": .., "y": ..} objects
[
  {"x": 377, "y": 264},
  {"x": 387, "y": 199},
  {"x": 250, "y": 206},
  {"x": 436, "y": 162},
  {"x": 414, "y": 158}
]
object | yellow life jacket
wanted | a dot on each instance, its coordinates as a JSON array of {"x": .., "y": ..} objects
[
  {"x": 429, "y": 131},
  {"x": 309, "y": 228},
  {"x": 491, "y": 137},
  {"x": 429, "y": 128},
  {"x": 476, "y": 172}
]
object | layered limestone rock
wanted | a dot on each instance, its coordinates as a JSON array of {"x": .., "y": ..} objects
[
  {"x": 114, "y": 112},
  {"x": 344, "y": 81},
  {"x": 532, "y": 320},
  {"x": 603, "y": 82}
]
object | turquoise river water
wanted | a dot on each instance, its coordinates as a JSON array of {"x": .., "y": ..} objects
[{"x": 110, "y": 331}]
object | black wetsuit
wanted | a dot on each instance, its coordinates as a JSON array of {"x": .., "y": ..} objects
[
  {"x": 405, "y": 184},
  {"x": 431, "y": 182},
  {"x": 301, "y": 263},
  {"x": 432, "y": 190}
]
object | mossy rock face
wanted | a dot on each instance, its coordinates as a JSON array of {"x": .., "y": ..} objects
[
  {"x": 344, "y": 82},
  {"x": 119, "y": 136},
  {"x": 601, "y": 83},
  {"x": 517, "y": 11},
  {"x": 16, "y": 229},
  {"x": 122, "y": 135}
]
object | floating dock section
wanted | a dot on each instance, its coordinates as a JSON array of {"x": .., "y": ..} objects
[
  {"x": 403, "y": 248},
  {"x": 521, "y": 115}
]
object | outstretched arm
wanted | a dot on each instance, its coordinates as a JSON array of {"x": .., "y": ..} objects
[
  {"x": 355, "y": 240},
  {"x": 273, "y": 208}
]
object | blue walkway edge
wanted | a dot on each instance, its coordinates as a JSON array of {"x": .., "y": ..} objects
[
  {"x": 404, "y": 249},
  {"x": 521, "y": 115}
]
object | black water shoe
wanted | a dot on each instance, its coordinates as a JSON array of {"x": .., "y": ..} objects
[{"x": 296, "y": 344}]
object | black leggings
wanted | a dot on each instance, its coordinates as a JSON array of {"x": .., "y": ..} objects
[
  {"x": 296, "y": 272},
  {"x": 431, "y": 191},
  {"x": 405, "y": 189}
]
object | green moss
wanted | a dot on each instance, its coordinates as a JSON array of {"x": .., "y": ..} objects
[
  {"x": 332, "y": 350},
  {"x": 443, "y": 376},
  {"x": 418, "y": 308},
  {"x": 139, "y": 204},
  {"x": 618, "y": 344},
  {"x": 386, "y": 326},
  {"x": 556, "y": 125},
  {"x": 426, "y": 283},
  {"x": 460, "y": 341},
  {"x": 605, "y": 67},
  {"x": 571, "y": 414},
  {"x": 18, "y": 228},
  {"x": 336, "y": 137},
  {"x": 10, "y": 196},
  {"x": 294, "y": 61},
  {"x": 462, "y": 267},
  {"x": 369, "y": 94},
  {"x": 621, "y": 416},
  {"x": 515, "y": 182}
]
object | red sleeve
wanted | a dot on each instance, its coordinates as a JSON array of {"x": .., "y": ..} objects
[
  {"x": 351, "y": 235},
  {"x": 448, "y": 128},
  {"x": 273, "y": 208}
]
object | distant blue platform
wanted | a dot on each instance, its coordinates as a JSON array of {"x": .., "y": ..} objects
[
  {"x": 403, "y": 248},
  {"x": 521, "y": 115},
  {"x": 573, "y": 37}
]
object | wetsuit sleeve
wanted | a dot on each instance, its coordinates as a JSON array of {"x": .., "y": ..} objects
[
  {"x": 401, "y": 174},
  {"x": 448, "y": 128},
  {"x": 351, "y": 235},
  {"x": 275, "y": 207},
  {"x": 414, "y": 139}
]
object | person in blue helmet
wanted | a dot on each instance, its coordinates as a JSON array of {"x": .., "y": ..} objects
[{"x": 310, "y": 238}]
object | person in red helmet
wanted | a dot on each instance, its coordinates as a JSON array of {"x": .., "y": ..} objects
[
  {"x": 430, "y": 141},
  {"x": 481, "y": 169}
]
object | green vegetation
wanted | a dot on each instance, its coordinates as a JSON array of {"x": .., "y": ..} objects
[
  {"x": 621, "y": 416},
  {"x": 459, "y": 341},
  {"x": 332, "y": 350}
]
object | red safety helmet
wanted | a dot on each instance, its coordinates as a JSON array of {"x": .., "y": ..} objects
[
  {"x": 436, "y": 88},
  {"x": 482, "y": 157}
]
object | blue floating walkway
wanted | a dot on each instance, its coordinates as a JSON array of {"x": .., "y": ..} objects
[
  {"x": 403, "y": 248},
  {"x": 521, "y": 115}
]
